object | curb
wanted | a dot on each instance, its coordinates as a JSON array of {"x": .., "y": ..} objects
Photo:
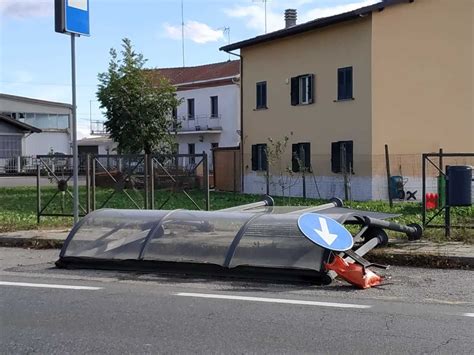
[
  {"x": 425, "y": 260},
  {"x": 380, "y": 256}
]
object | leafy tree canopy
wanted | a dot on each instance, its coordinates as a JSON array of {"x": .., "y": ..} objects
[{"x": 138, "y": 111}]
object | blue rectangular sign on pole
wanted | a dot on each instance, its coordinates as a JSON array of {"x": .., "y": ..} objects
[
  {"x": 72, "y": 16},
  {"x": 76, "y": 17}
]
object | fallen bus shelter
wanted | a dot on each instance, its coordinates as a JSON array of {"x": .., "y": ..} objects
[{"x": 250, "y": 241}]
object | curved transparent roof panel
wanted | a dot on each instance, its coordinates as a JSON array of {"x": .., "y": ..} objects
[
  {"x": 256, "y": 235},
  {"x": 195, "y": 236},
  {"x": 262, "y": 238},
  {"x": 274, "y": 240},
  {"x": 111, "y": 234}
]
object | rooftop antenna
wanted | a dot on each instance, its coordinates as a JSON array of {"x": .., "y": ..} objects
[
  {"x": 265, "y": 6},
  {"x": 182, "y": 30},
  {"x": 226, "y": 31}
]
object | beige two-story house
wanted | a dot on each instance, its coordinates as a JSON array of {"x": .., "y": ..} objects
[{"x": 399, "y": 72}]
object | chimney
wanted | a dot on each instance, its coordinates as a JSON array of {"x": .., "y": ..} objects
[{"x": 290, "y": 18}]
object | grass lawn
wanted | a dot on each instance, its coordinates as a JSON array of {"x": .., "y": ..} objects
[{"x": 18, "y": 208}]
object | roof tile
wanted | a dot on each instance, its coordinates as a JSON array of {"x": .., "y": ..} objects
[{"x": 183, "y": 75}]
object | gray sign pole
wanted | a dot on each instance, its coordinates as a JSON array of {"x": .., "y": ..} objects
[{"x": 75, "y": 158}]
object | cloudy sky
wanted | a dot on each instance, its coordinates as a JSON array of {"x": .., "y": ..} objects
[{"x": 35, "y": 61}]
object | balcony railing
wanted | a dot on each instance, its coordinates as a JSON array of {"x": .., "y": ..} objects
[
  {"x": 98, "y": 128},
  {"x": 198, "y": 123}
]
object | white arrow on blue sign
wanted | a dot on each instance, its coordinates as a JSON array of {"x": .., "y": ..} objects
[{"x": 325, "y": 232}]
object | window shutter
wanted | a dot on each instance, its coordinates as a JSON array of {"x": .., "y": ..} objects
[
  {"x": 350, "y": 156},
  {"x": 307, "y": 155},
  {"x": 254, "y": 157},
  {"x": 259, "y": 98},
  {"x": 349, "y": 83},
  {"x": 294, "y": 155},
  {"x": 295, "y": 90},
  {"x": 340, "y": 84},
  {"x": 264, "y": 94},
  {"x": 311, "y": 88},
  {"x": 264, "y": 156},
  {"x": 336, "y": 157}
]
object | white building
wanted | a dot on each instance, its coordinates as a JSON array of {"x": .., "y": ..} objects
[
  {"x": 52, "y": 118},
  {"x": 101, "y": 145},
  {"x": 12, "y": 142},
  {"x": 209, "y": 115}
]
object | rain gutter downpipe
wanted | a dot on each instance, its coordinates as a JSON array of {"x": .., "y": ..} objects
[{"x": 241, "y": 120}]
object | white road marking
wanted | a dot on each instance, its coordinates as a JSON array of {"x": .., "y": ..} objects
[
  {"x": 275, "y": 300},
  {"x": 468, "y": 314},
  {"x": 65, "y": 287}
]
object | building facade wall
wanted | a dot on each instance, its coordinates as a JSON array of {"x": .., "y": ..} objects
[
  {"x": 320, "y": 52},
  {"x": 9, "y": 129},
  {"x": 107, "y": 148},
  {"x": 422, "y": 85},
  {"x": 9, "y": 133},
  {"x": 104, "y": 145},
  {"x": 199, "y": 147},
  {"x": 50, "y": 138},
  {"x": 229, "y": 118},
  {"x": 45, "y": 142},
  {"x": 19, "y": 104}
]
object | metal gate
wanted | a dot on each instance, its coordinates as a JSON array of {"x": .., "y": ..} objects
[
  {"x": 123, "y": 181},
  {"x": 175, "y": 174},
  {"x": 116, "y": 181},
  {"x": 58, "y": 203}
]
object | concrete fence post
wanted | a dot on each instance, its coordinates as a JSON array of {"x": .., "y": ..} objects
[{"x": 206, "y": 180}]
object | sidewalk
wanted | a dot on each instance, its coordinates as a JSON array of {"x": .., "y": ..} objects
[
  {"x": 425, "y": 253},
  {"x": 422, "y": 253},
  {"x": 37, "y": 239}
]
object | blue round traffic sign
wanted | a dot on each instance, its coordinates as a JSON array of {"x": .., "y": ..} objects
[{"x": 325, "y": 232}]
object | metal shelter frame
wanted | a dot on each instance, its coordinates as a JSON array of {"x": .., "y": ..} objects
[{"x": 242, "y": 241}]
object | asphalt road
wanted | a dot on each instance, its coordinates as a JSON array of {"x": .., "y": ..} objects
[{"x": 50, "y": 311}]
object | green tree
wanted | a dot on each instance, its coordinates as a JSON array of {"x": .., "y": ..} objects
[{"x": 138, "y": 111}]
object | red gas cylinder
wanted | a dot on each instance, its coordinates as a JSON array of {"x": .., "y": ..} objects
[{"x": 431, "y": 201}]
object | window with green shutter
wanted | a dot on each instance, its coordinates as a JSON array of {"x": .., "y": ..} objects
[{"x": 302, "y": 89}]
